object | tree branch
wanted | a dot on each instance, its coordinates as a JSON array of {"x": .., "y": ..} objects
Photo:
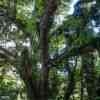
[
  {"x": 5, "y": 54},
  {"x": 94, "y": 44}
]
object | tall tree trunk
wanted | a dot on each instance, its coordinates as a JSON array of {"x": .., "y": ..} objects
[
  {"x": 89, "y": 75},
  {"x": 44, "y": 58},
  {"x": 26, "y": 74},
  {"x": 44, "y": 29},
  {"x": 82, "y": 85},
  {"x": 70, "y": 87},
  {"x": 71, "y": 81}
]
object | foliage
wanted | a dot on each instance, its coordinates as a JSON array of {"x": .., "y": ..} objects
[{"x": 70, "y": 37}]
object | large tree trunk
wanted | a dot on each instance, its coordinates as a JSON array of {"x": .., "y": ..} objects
[
  {"x": 89, "y": 75},
  {"x": 44, "y": 58},
  {"x": 44, "y": 29}
]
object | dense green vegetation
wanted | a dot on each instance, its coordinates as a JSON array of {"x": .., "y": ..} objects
[{"x": 49, "y": 49}]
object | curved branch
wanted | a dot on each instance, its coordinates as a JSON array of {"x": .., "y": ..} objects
[{"x": 6, "y": 54}]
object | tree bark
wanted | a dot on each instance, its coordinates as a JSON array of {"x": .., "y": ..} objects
[
  {"x": 26, "y": 74},
  {"x": 44, "y": 29},
  {"x": 82, "y": 85},
  {"x": 89, "y": 75},
  {"x": 71, "y": 81},
  {"x": 70, "y": 87}
]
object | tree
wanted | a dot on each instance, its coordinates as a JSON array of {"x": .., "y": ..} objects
[{"x": 44, "y": 48}]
